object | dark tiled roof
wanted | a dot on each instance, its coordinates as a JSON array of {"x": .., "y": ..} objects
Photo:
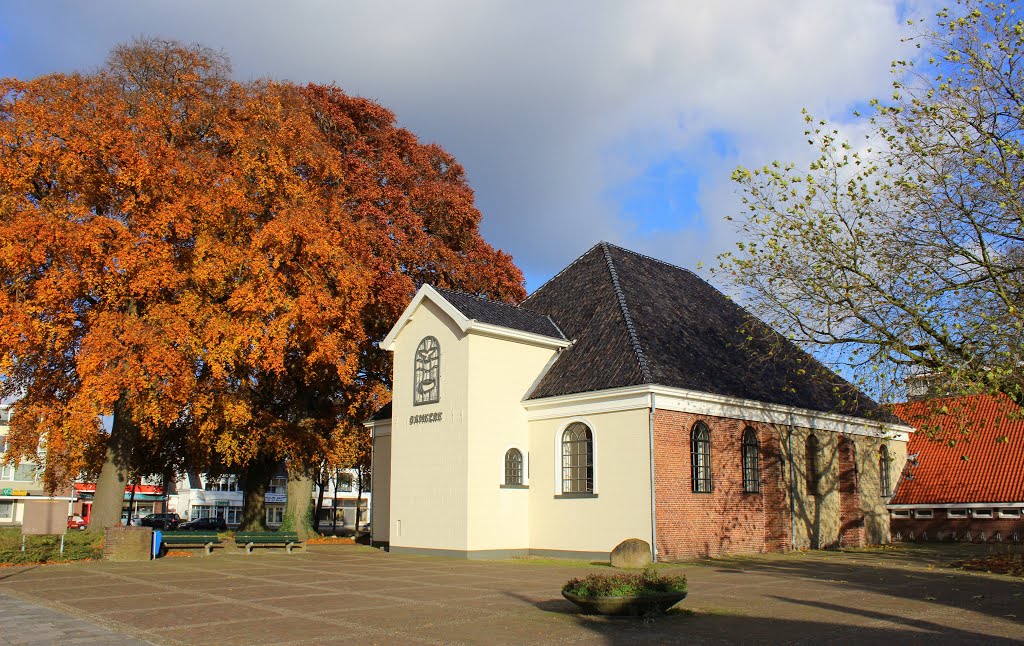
[
  {"x": 969, "y": 449},
  {"x": 637, "y": 320},
  {"x": 501, "y": 314},
  {"x": 382, "y": 414}
]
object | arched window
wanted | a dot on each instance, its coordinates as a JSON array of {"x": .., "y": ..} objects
[
  {"x": 700, "y": 458},
  {"x": 577, "y": 459},
  {"x": 426, "y": 374},
  {"x": 513, "y": 467},
  {"x": 883, "y": 471},
  {"x": 751, "y": 473},
  {"x": 811, "y": 458}
]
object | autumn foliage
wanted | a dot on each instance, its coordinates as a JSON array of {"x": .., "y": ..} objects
[{"x": 211, "y": 262}]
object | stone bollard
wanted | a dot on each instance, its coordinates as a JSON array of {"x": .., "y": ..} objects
[
  {"x": 631, "y": 553},
  {"x": 127, "y": 543}
]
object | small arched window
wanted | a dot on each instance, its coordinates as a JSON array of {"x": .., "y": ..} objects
[
  {"x": 700, "y": 458},
  {"x": 751, "y": 473},
  {"x": 426, "y": 374},
  {"x": 883, "y": 471},
  {"x": 577, "y": 459},
  {"x": 513, "y": 467},
  {"x": 811, "y": 451}
]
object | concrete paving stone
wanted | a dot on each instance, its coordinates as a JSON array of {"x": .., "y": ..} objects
[
  {"x": 270, "y": 630},
  {"x": 148, "y": 601},
  {"x": 413, "y": 616},
  {"x": 185, "y": 618},
  {"x": 26, "y": 624}
]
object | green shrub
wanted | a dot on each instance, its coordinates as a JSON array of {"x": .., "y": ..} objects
[
  {"x": 626, "y": 585},
  {"x": 46, "y": 549}
]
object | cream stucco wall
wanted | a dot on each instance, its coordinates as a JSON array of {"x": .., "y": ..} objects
[
  {"x": 622, "y": 482},
  {"x": 430, "y": 461},
  {"x": 380, "y": 477},
  {"x": 501, "y": 373}
]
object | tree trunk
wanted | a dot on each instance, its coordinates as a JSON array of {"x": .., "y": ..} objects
[
  {"x": 334, "y": 515},
  {"x": 359, "y": 500},
  {"x": 298, "y": 509},
  {"x": 131, "y": 502},
  {"x": 109, "y": 497},
  {"x": 255, "y": 478},
  {"x": 321, "y": 483}
]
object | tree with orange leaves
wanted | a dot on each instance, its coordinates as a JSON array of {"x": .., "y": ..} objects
[{"x": 211, "y": 263}]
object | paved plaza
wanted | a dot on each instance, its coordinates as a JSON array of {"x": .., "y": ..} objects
[{"x": 356, "y": 594}]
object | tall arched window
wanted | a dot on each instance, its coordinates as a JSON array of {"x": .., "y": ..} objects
[
  {"x": 883, "y": 471},
  {"x": 700, "y": 458},
  {"x": 751, "y": 473},
  {"x": 513, "y": 467},
  {"x": 811, "y": 451},
  {"x": 426, "y": 373},
  {"x": 577, "y": 459}
]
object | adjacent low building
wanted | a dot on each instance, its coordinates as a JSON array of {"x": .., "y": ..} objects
[
  {"x": 20, "y": 485},
  {"x": 965, "y": 478},
  {"x": 625, "y": 398}
]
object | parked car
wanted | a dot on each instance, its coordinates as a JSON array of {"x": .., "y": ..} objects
[
  {"x": 76, "y": 522},
  {"x": 129, "y": 520},
  {"x": 206, "y": 524},
  {"x": 161, "y": 521}
]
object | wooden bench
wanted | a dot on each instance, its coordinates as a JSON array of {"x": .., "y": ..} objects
[
  {"x": 248, "y": 540},
  {"x": 191, "y": 538}
]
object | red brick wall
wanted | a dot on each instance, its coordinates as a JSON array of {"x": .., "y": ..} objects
[
  {"x": 851, "y": 529},
  {"x": 933, "y": 527},
  {"x": 727, "y": 520}
]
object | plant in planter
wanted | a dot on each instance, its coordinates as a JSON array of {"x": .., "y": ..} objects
[{"x": 626, "y": 594}]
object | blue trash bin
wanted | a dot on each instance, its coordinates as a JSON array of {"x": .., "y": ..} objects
[{"x": 158, "y": 538}]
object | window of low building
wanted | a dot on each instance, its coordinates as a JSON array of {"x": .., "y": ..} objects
[
  {"x": 25, "y": 472},
  {"x": 7, "y": 510},
  {"x": 751, "y": 472},
  {"x": 812, "y": 465},
  {"x": 885, "y": 484},
  {"x": 275, "y": 515},
  {"x": 923, "y": 513},
  {"x": 956, "y": 513},
  {"x": 3, "y": 444},
  {"x": 577, "y": 459},
  {"x": 1012, "y": 512},
  {"x": 981, "y": 513},
  {"x": 700, "y": 458},
  {"x": 513, "y": 467},
  {"x": 900, "y": 513}
]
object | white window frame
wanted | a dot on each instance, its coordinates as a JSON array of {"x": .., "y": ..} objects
[
  {"x": 900, "y": 513},
  {"x": 982, "y": 513},
  {"x": 1010, "y": 512},
  {"x": 924, "y": 513},
  {"x": 557, "y": 453},
  {"x": 956, "y": 513},
  {"x": 9, "y": 504}
]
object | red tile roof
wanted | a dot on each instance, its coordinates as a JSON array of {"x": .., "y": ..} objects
[{"x": 970, "y": 449}]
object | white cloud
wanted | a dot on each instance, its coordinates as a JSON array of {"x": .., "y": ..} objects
[{"x": 548, "y": 105}]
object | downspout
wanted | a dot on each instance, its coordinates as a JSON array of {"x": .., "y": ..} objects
[
  {"x": 792, "y": 489},
  {"x": 654, "y": 526}
]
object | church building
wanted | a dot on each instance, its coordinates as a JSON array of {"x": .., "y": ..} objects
[{"x": 625, "y": 398}]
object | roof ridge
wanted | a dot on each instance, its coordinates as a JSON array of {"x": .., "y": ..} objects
[
  {"x": 657, "y": 260},
  {"x": 564, "y": 269},
  {"x": 630, "y": 328}
]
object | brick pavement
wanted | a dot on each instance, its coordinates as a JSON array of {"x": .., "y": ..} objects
[{"x": 333, "y": 593}]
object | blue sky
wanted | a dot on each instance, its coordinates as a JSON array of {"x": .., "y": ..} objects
[{"x": 576, "y": 121}]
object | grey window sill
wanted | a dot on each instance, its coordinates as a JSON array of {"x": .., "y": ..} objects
[
  {"x": 505, "y": 486},
  {"x": 575, "y": 495}
]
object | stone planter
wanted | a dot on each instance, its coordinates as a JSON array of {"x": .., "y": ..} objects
[{"x": 634, "y": 606}]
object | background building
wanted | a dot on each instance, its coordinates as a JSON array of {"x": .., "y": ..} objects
[
  {"x": 19, "y": 484},
  {"x": 965, "y": 478}
]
